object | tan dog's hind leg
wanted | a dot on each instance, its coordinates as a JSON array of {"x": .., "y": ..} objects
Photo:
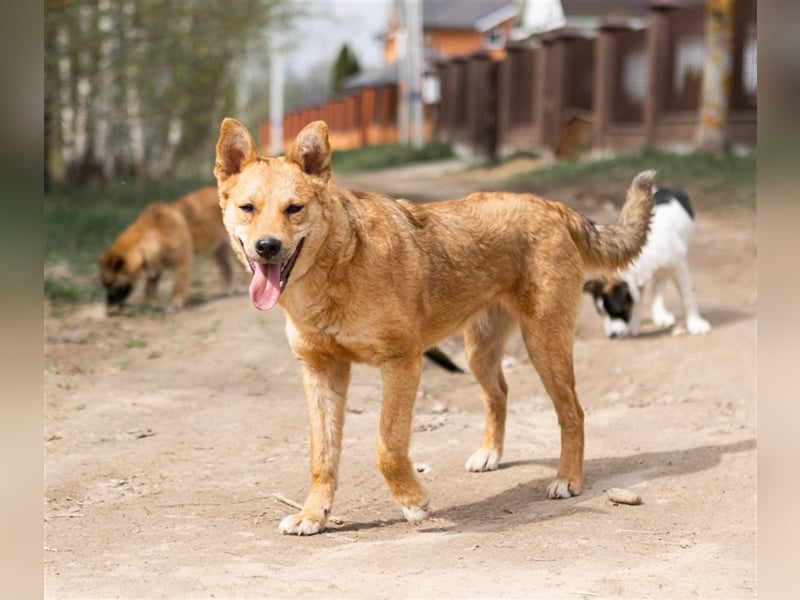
[
  {"x": 400, "y": 381},
  {"x": 484, "y": 340},
  {"x": 325, "y": 383},
  {"x": 548, "y": 339}
]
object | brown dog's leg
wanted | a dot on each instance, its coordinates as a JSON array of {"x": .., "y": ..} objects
[
  {"x": 222, "y": 255},
  {"x": 325, "y": 383},
  {"x": 548, "y": 339},
  {"x": 183, "y": 271},
  {"x": 400, "y": 382},
  {"x": 151, "y": 287},
  {"x": 484, "y": 340}
]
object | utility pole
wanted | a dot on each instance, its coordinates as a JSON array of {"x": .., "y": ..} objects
[
  {"x": 415, "y": 55},
  {"x": 403, "y": 76},
  {"x": 409, "y": 57},
  {"x": 712, "y": 128}
]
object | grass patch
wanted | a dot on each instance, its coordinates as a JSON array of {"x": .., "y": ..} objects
[
  {"x": 70, "y": 291},
  {"x": 135, "y": 341},
  {"x": 386, "y": 156},
  {"x": 699, "y": 173}
]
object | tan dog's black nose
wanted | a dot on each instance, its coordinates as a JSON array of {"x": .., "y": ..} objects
[{"x": 268, "y": 247}]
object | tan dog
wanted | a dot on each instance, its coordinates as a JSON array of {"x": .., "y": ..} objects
[
  {"x": 365, "y": 278},
  {"x": 166, "y": 236}
]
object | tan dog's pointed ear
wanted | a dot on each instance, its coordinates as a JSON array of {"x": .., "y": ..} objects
[
  {"x": 235, "y": 149},
  {"x": 311, "y": 150}
]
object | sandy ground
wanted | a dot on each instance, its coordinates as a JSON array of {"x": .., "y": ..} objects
[{"x": 169, "y": 437}]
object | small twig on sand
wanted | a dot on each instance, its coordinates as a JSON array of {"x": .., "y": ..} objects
[{"x": 281, "y": 498}]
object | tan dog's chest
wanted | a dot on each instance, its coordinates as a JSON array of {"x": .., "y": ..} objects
[{"x": 340, "y": 330}]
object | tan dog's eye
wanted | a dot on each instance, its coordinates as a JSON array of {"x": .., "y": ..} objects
[
  {"x": 248, "y": 208},
  {"x": 293, "y": 209}
]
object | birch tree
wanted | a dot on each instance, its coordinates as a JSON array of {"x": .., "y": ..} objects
[
  {"x": 716, "y": 89},
  {"x": 138, "y": 88}
]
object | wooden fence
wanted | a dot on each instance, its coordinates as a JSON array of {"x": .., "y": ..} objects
[{"x": 615, "y": 89}]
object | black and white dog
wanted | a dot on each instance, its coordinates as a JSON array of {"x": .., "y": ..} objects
[{"x": 663, "y": 257}]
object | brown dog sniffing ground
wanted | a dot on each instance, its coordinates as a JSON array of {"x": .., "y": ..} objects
[
  {"x": 166, "y": 236},
  {"x": 366, "y": 278}
]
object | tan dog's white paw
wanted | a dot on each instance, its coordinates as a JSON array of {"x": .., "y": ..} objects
[
  {"x": 415, "y": 514},
  {"x": 559, "y": 488},
  {"x": 483, "y": 460},
  {"x": 299, "y": 524}
]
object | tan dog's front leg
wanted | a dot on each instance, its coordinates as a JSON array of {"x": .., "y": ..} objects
[
  {"x": 400, "y": 382},
  {"x": 325, "y": 382}
]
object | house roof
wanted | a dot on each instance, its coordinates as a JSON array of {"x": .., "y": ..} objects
[
  {"x": 471, "y": 15},
  {"x": 373, "y": 78}
]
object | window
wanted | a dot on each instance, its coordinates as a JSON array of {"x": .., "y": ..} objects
[{"x": 494, "y": 39}]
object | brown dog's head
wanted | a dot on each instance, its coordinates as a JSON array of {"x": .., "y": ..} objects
[
  {"x": 118, "y": 276},
  {"x": 614, "y": 302},
  {"x": 273, "y": 208}
]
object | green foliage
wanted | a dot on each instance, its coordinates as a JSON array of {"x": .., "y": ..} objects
[
  {"x": 159, "y": 77},
  {"x": 346, "y": 65},
  {"x": 386, "y": 156}
]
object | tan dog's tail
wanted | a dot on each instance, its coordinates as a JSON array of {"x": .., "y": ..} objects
[{"x": 610, "y": 247}]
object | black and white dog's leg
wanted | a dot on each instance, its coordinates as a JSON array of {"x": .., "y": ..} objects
[
  {"x": 635, "y": 323},
  {"x": 695, "y": 324},
  {"x": 661, "y": 316}
]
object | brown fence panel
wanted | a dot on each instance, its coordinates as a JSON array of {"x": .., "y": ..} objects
[
  {"x": 458, "y": 85},
  {"x": 578, "y": 78},
  {"x": 629, "y": 76},
  {"x": 480, "y": 95},
  {"x": 684, "y": 68},
  {"x": 451, "y": 123},
  {"x": 743, "y": 84},
  {"x": 444, "y": 116},
  {"x": 521, "y": 75}
]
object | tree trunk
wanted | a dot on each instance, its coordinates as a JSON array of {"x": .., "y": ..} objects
[{"x": 712, "y": 128}]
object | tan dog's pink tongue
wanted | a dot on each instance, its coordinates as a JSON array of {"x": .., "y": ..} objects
[{"x": 265, "y": 287}]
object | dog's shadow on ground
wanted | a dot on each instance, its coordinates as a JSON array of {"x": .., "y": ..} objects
[
  {"x": 717, "y": 317},
  {"x": 526, "y": 502},
  {"x": 160, "y": 309},
  {"x": 720, "y": 317}
]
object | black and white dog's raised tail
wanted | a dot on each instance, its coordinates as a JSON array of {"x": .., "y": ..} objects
[{"x": 664, "y": 257}]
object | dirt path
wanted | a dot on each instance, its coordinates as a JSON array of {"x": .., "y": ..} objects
[{"x": 169, "y": 436}]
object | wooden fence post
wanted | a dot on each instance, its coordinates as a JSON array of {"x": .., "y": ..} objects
[
  {"x": 605, "y": 77},
  {"x": 657, "y": 50}
]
